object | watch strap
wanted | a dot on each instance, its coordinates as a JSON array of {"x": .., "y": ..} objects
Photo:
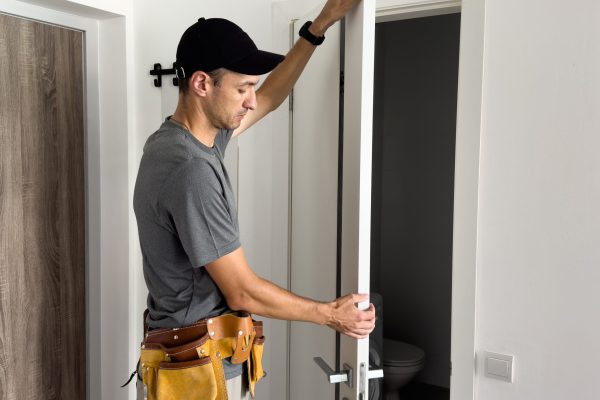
[{"x": 306, "y": 34}]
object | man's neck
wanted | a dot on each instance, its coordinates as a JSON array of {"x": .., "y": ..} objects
[{"x": 193, "y": 119}]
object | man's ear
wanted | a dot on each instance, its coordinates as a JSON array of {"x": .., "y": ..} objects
[{"x": 199, "y": 83}]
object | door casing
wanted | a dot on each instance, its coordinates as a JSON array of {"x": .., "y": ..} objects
[{"x": 464, "y": 258}]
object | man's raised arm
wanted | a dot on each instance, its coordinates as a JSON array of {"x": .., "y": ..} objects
[{"x": 282, "y": 79}]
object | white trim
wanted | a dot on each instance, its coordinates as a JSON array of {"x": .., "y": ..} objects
[
  {"x": 417, "y": 10},
  {"x": 466, "y": 199},
  {"x": 468, "y": 131}
]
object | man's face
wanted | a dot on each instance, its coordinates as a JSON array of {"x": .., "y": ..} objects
[{"x": 232, "y": 97}]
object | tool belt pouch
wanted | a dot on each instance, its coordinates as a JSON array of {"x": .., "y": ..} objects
[
  {"x": 186, "y": 363},
  {"x": 166, "y": 380},
  {"x": 255, "y": 368}
]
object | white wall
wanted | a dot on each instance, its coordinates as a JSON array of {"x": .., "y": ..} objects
[{"x": 539, "y": 220}]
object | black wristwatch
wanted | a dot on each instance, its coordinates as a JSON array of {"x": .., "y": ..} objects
[{"x": 305, "y": 33}]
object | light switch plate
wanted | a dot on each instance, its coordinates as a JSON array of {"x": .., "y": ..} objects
[{"x": 499, "y": 366}]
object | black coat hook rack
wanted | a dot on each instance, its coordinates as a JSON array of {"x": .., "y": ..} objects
[{"x": 158, "y": 71}]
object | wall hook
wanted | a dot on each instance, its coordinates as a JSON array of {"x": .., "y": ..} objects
[{"x": 159, "y": 72}]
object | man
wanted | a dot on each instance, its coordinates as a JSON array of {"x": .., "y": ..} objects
[{"x": 194, "y": 264}]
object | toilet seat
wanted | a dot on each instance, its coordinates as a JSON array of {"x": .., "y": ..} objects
[{"x": 400, "y": 354}]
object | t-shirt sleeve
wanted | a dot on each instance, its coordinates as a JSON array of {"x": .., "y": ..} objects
[{"x": 198, "y": 209}]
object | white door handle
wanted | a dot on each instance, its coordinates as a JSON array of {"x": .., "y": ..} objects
[
  {"x": 344, "y": 375},
  {"x": 374, "y": 374}
]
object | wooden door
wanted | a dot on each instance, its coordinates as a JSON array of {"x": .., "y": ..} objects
[{"x": 42, "y": 212}]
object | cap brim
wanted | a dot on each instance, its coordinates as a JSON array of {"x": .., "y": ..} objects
[{"x": 257, "y": 63}]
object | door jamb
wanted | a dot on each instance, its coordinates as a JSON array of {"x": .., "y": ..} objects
[
  {"x": 468, "y": 130},
  {"x": 400, "y": 11}
]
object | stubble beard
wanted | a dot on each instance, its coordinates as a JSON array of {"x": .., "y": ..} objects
[{"x": 222, "y": 122}]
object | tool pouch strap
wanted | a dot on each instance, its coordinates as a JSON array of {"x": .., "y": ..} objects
[{"x": 187, "y": 363}]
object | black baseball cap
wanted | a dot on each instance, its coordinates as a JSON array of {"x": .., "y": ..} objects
[{"x": 218, "y": 43}]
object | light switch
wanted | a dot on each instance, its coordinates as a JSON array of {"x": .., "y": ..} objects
[{"x": 498, "y": 366}]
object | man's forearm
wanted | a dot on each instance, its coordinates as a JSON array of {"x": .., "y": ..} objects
[
  {"x": 243, "y": 290},
  {"x": 269, "y": 300}
]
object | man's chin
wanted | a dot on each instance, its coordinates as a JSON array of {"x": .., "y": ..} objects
[
  {"x": 231, "y": 126},
  {"x": 234, "y": 125}
]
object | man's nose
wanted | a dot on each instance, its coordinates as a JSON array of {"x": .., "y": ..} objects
[{"x": 250, "y": 101}]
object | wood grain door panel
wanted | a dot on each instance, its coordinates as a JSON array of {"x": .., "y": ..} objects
[{"x": 42, "y": 212}]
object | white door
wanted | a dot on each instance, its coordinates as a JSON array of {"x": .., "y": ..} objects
[{"x": 331, "y": 205}]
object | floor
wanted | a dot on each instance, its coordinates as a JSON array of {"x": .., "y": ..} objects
[{"x": 422, "y": 391}]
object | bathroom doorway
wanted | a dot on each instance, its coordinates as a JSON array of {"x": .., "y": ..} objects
[{"x": 414, "y": 134}]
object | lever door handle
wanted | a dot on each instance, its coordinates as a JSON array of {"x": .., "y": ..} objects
[
  {"x": 335, "y": 376},
  {"x": 374, "y": 374}
]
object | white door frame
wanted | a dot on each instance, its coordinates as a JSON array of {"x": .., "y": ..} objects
[
  {"x": 468, "y": 127},
  {"x": 107, "y": 330},
  {"x": 466, "y": 181}
]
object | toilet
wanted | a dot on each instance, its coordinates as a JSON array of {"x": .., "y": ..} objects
[{"x": 400, "y": 361}]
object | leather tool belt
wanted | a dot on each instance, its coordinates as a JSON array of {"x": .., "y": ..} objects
[{"x": 186, "y": 363}]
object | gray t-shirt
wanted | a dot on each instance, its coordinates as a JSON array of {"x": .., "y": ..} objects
[{"x": 186, "y": 216}]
